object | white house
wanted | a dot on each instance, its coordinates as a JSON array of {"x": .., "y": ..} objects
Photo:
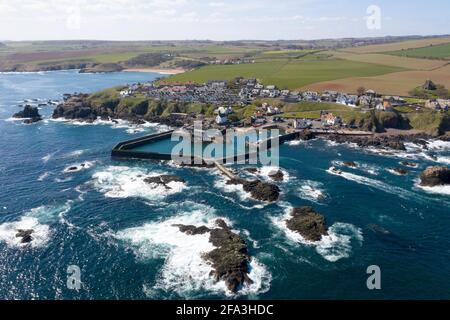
[{"x": 221, "y": 119}]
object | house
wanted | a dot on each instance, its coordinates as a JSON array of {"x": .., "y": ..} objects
[
  {"x": 329, "y": 119},
  {"x": 371, "y": 93},
  {"x": 386, "y": 105},
  {"x": 125, "y": 93},
  {"x": 438, "y": 104}
]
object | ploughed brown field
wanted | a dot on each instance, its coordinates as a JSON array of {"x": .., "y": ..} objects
[
  {"x": 411, "y": 44},
  {"x": 397, "y": 83}
]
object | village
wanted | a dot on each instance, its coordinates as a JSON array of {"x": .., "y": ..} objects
[{"x": 243, "y": 92}]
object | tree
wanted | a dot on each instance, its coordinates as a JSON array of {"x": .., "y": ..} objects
[{"x": 361, "y": 91}]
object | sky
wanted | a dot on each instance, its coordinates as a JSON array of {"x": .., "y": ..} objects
[{"x": 219, "y": 19}]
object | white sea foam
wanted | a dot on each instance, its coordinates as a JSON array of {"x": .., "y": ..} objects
[
  {"x": 266, "y": 171},
  {"x": 124, "y": 182},
  {"x": 335, "y": 246},
  {"x": 43, "y": 176},
  {"x": 79, "y": 167},
  {"x": 312, "y": 191},
  {"x": 295, "y": 142},
  {"x": 184, "y": 271},
  {"x": 9, "y": 230},
  {"x": 47, "y": 157},
  {"x": 443, "y": 190},
  {"x": 371, "y": 183},
  {"x": 75, "y": 153},
  {"x": 38, "y": 220},
  {"x": 439, "y": 145},
  {"x": 115, "y": 124}
]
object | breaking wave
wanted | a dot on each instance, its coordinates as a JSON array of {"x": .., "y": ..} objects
[
  {"x": 38, "y": 220},
  {"x": 125, "y": 182},
  {"x": 185, "y": 272},
  {"x": 312, "y": 191}
]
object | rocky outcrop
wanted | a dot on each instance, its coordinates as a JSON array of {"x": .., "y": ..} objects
[
  {"x": 76, "y": 107},
  {"x": 350, "y": 164},
  {"x": 102, "y": 68},
  {"x": 409, "y": 164},
  {"x": 276, "y": 175},
  {"x": 262, "y": 191},
  {"x": 308, "y": 223},
  {"x": 29, "y": 113},
  {"x": 230, "y": 260},
  {"x": 400, "y": 171},
  {"x": 25, "y": 235},
  {"x": 164, "y": 180},
  {"x": 435, "y": 176},
  {"x": 306, "y": 135}
]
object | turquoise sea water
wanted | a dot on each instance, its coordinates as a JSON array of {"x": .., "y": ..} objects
[{"x": 118, "y": 230}]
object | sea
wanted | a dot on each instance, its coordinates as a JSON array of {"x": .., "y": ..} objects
[{"x": 95, "y": 215}]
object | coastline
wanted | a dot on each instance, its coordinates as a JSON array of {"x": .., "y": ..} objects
[{"x": 156, "y": 70}]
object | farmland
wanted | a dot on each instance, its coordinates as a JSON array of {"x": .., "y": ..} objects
[
  {"x": 288, "y": 73},
  {"x": 431, "y": 52},
  {"x": 403, "y": 45},
  {"x": 397, "y": 83}
]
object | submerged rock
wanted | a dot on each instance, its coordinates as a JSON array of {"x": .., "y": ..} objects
[
  {"x": 230, "y": 260},
  {"x": 25, "y": 235},
  {"x": 252, "y": 170},
  {"x": 164, "y": 180},
  {"x": 192, "y": 230},
  {"x": 350, "y": 164},
  {"x": 400, "y": 171},
  {"x": 308, "y": 223},
  {"x": 409, "y": 164},
  {"x": 277, "y": 175},
  {"x": 435, "y": 176},
  {"x": 31, "y": 114}
]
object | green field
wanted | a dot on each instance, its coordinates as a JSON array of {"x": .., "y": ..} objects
[
  {"x": 430, "y": 52},
  {"x": 287, "y": 73}
]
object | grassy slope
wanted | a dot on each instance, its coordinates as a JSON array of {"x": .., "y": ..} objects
[{"x": 287, "y": 73}]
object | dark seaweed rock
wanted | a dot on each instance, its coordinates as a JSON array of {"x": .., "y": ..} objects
[
  {"x": 31, "y": 114},
  {"x": 308, "y": 223},
  {"x": 192, "y": 230},
  {"x": 378, "y": 229},
  {"x": 350, "y": 164},
  {"x": 230, "y": 259},
  {"x": 25, "y": 235},
  {"x": 435, "y": 176},
  {"x": 409, "y": 164},
  {"x": 76, "y": 107},
  {"x": 252, "y": 170},
  {"x": 306, "y": 135},
  {"x": 164, "y": 180},
  {"x": 259, "y": 190},
  {"x": 277, "y": 175},
  {"x": 400, "y": 171}
]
